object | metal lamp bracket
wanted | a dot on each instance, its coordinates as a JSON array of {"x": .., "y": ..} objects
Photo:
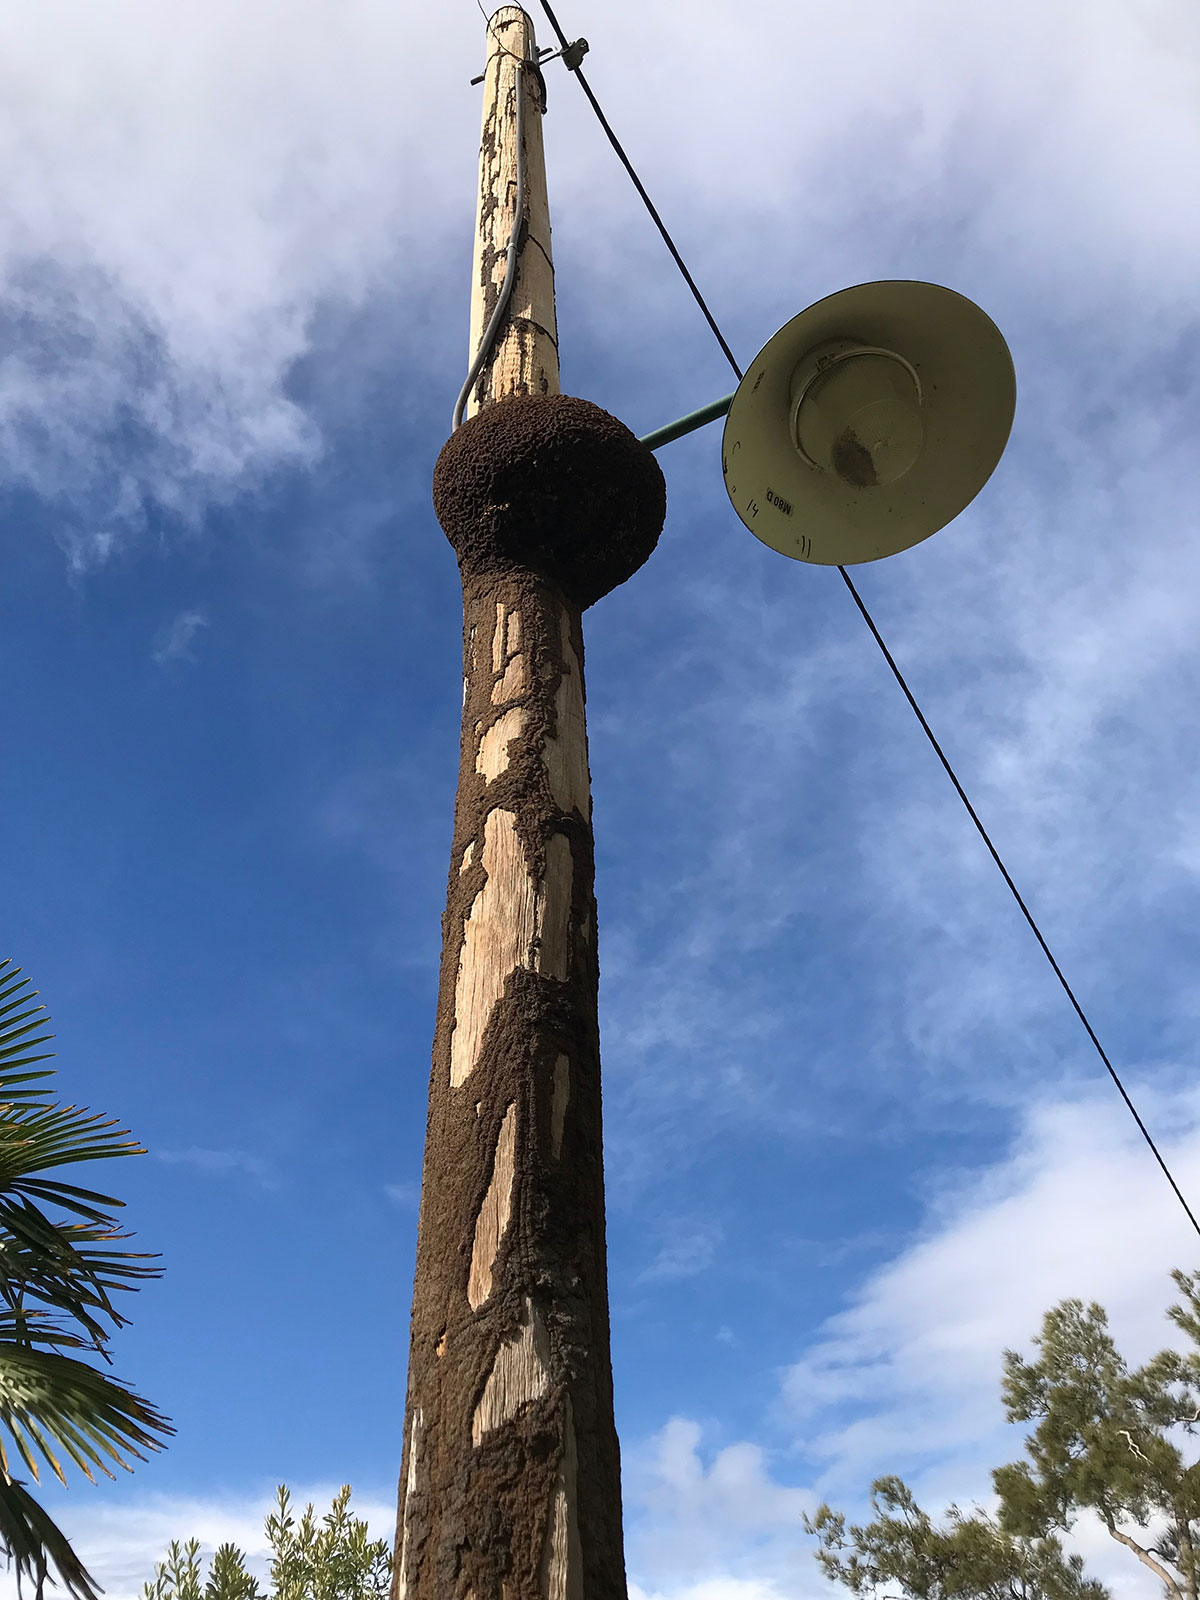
[{"x": 572, "y": 54}]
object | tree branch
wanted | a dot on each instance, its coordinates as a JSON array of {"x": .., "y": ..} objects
[
  {"x": 1128, "y": 1437},
  {"x": 1144, "y": 1556},
  {"x": 1187, "y": 1546}
]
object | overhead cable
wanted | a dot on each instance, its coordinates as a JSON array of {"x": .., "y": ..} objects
[
  {"x": 641, "y": 189},
  {"x": 887, "y": 655}
]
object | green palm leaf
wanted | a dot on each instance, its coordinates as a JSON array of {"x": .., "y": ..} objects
[
  {"x": 35, "y": 1542},
  {"x": 58, "y": 1270},
  {"x": 57, "y": 1263},
  {"x": 94, "y": 1418}
]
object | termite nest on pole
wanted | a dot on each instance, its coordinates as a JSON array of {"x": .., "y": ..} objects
[{"x": 554, "y": 485}]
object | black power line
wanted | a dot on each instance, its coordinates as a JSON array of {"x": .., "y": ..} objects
[
  {"x": 646, "y": 200},
  {"x": 1016, "y": 893},
  {"x": 887, "y": 655}
]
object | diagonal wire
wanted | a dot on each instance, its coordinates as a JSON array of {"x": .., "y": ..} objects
[
  {"x": 646, "y": 200},
  {"x": 1015, "y": 892},
  {"x": 888, "y": 657}
]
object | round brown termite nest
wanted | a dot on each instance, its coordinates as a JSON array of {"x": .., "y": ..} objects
[{"x": 554, "y": 485}]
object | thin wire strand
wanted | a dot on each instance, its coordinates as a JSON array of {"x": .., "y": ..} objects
[
  {"x": 646, "y": 200},
  {"x": 501, "y": 48},
  {"x": 1014, "y": 891},
  {"x": 896, "y": 673}
]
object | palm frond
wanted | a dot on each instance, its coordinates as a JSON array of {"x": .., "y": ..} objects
[
  {"x": 59, "y": 1265},
  {"x": 68, "y": 1262},
  {"x": 14, "y": 1031},
  {"x": 70, "y": 1266},
  {"x": 37, "y": 1136},
  {"x": 94, "y": 1418},
  {"x": 34, "y": 1541},
  {"x": 38, "y": 1329}
]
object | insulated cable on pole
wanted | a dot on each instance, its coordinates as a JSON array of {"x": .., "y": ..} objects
[
  {"x": 510, "y": 270},
  {"x": 888, "y": 657}
]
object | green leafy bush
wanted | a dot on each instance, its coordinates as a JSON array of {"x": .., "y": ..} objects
[{"x": 332, "y": 1559}]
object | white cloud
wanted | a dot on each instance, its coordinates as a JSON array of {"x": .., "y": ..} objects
[
  {"x": 816, "y": 854},
  {"x": 689, "y": 1518},
  {"x": 906, "y": 1379},
  {"x": 712, "y": 1589},
  {"x": 687, "y": 1250},
  {"x": 174, "y": 640},
  {"x": 187, "y": 192},
  {"x": 734, "y": 1487},
  {"x": 120, "y": 1544},
  {"x": 1079, "y": 1208},
  {"x": 405, "y": 1195},
  {"x": 202, "y": 1159}
]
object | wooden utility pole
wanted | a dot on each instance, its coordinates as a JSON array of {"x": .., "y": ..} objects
[
  {"x": 525, "y": 357},
  {"x": 510, "y": 1485}
]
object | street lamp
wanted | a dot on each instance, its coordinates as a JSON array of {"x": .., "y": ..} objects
[{"x": 865, "y": 423}]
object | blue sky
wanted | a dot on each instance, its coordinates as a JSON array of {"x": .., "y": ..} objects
[{"x": 855, "y": 1142}]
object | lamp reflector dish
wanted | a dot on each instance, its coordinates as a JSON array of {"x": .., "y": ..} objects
[{"x": 868, "y": 422}]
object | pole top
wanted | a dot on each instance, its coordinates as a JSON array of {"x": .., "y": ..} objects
[{"x": 505, "y": 16}]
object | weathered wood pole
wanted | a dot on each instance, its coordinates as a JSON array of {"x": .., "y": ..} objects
[{"x": 510, "y": 1485}]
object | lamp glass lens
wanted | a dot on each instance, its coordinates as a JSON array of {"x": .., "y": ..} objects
[{"x": 861, "y": 419}]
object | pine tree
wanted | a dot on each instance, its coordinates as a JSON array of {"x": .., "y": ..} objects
[
  {"x": 1109, "y": 1440},
  {"x": 969, "y": 1558}
]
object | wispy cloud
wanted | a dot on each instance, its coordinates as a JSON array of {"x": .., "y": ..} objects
[
  {"x": 178, "y": 229},
  {"x": 405, "y": 1195},
  {"x": 173, "y": 642},
  {"x": 800, "y": 934},
  {"x": 1079, "y": 1207},
  {"x": 714, "y": 1589},
  {"x": 222, "y": 1162},
  {"x": 825, "y": 899},
  {"x": 699, "y": 1512},
  {"x": 687, "y": 1250},
  {"x": 906, "y": 1379}
]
